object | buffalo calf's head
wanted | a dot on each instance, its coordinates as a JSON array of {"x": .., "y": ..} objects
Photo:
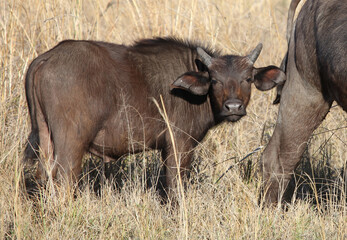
[{"x": 227, "y": 80}]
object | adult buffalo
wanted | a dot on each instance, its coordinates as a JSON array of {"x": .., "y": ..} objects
[
  {"x": 100, "y": 97},
  {"x": 316, "y": 70}
]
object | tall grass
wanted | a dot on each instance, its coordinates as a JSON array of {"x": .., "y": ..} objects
[{"x": 225, "y": 210}]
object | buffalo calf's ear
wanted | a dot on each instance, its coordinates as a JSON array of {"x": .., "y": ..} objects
[
  {"x": 193, "y": 82},
  {"x": 268, "y": 77}
]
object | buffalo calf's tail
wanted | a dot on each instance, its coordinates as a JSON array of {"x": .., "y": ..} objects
[{"x": 32, "y": 148}]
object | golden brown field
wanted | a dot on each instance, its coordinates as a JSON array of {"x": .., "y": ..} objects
[{"x": 208, "y": 210}]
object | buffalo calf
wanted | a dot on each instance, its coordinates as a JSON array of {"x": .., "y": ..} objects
[{"x": 98, "y": 97}]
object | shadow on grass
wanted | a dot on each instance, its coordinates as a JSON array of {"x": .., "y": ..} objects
[
  {"x": 145, "y": 169},
  {"x": 316, "y": 181}
]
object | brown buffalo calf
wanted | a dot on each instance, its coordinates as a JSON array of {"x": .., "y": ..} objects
[{"x": 100, "y": 97}]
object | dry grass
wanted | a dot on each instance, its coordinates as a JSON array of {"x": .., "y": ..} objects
[{"x": 227, "y": 210}]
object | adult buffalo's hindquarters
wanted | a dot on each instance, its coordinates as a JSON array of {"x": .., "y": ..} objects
[
  {"x": 99, "y": 97},
  {"x": 316, "y": 76}
]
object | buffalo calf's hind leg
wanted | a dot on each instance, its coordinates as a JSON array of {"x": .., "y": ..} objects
[
  {"x": 46, "y": 159},
  {"x": 69, "y": 149}
]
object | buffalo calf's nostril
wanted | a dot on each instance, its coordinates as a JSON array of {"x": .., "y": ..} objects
[{"x": 233, "y": 106}]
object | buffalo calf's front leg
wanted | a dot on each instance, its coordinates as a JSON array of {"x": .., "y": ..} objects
[{"x": 177, "y": 165}]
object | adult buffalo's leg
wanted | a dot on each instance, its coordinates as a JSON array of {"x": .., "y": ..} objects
[{"x": 301, "y": 111}]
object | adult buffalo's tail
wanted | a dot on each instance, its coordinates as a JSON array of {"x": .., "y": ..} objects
[
  {"x": 290, "y": 24},
  {"x": 290, "y": 18},
  {"x": 32, "y": 147}
]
